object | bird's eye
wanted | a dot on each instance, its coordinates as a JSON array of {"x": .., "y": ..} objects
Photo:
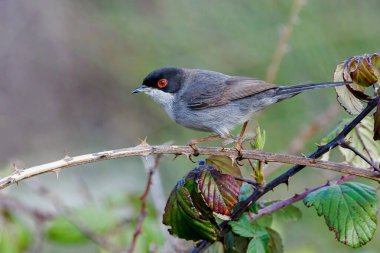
[{"x": 162, "y": 83}]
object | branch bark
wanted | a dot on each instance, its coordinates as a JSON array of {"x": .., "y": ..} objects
[{"x": 145, "y": 149}]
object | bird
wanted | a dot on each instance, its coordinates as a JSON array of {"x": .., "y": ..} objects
[{"x": 214, "y": 102}]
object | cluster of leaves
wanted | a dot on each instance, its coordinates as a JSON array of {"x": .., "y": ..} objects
[
  {"x": 364, "y": 72},
  {"x": 201, "y": 196}
]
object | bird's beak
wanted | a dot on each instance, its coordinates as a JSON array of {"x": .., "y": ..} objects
[{"x": 139, "y": 89}]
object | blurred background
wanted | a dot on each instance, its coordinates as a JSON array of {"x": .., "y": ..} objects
[{"x": 66, "y": 72}]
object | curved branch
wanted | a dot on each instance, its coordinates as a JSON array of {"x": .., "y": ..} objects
[{"x": 145, "y": 149}]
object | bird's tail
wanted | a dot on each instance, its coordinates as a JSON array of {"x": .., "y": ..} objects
[{"x": 289, "y": 91}]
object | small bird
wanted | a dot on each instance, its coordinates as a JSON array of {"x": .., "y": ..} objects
[{"x": 214, "y": 102}]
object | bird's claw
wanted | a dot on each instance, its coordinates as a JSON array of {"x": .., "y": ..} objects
[{"x": 195, "y": 149}]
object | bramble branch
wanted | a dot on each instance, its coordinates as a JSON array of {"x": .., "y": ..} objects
[
  {"x": 145, "y": 149},
  {"x": 297, "y": 197},
  {"x": 284, "y": 178}
]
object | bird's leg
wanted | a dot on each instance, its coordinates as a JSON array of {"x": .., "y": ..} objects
[
  {"x": 193, "y": 143},
  {"x": 238, "y": 144}
]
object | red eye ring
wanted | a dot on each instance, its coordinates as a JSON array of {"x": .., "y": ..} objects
[{"x": 162, "y": 83}]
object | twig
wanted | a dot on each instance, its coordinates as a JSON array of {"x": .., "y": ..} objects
[
  {"x": 297, "y": 197},
  {"x": 307, "y": 132},
  {"x": 143, "y": 211},
  {"x": 145, "y": 149},
  {"x": 346, "y": 145},
  {"x": 362, "y": 143},
  {"x": 286, "y": 31},
  {"x": 248, "y": 181},
  {"x": 284, "y": 178}
]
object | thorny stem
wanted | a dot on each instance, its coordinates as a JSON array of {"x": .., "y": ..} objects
[
  {"x": 297, "y": 197},
  {"x": 284, "y": 178}
]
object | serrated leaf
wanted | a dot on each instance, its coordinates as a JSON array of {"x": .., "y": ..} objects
[
  {"x": 275, "y": 241},
  {"x": 219, "y": 191},
  {"x": 362, "y": 140},
  {"x": 349, "y": 210},
  {"x": 224, "y": 164},
  {"x": 185, "y": 219}
]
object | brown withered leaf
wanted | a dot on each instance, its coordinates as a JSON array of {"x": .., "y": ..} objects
[
  {"x": 346, "y": 99},
  {"x": 362, "y": 71}
]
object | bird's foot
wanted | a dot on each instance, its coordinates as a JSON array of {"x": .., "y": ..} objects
[
  {"x": 195, "y": 149},
  {"x": 193, "y": 143}
]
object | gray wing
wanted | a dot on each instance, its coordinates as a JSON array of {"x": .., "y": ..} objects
[{"x": 221, "y": 93}]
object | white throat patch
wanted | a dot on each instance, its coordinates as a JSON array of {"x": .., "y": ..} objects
[{"x": 162, "y": 98}]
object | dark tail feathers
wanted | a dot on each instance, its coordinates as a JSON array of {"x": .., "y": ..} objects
[{"x": 294, "y": 90}]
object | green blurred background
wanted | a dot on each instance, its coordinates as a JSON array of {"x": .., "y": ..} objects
[{"x": 67, "y": 68}]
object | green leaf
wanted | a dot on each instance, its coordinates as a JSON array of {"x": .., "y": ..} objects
[
  {"x": 224, "y": 164},
  {"x": 245, "y": 191},
  {"x": 259, "y": 140},
  {"x": 349, "y": 210},
  {"x": 234, "y": 243},
  {"x": 275, "y": 241},
  {"x": 289, "y": 213},
  {"x": 188, "y": 219},
  {"x": 362, "y": 140},
  {"x": 219, "y": 191},
  {"x": 257, "y": 245},
  {"x": 244, "y": 227}
]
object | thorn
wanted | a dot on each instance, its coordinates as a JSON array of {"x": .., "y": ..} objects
[
  {"x": 56, "y": 171},
  {"x": 287, "y": 184},
  {"x": 14, "y": 167},
  {"x": 233, "y": 160},
  {"x": 143, "y": 142}
]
